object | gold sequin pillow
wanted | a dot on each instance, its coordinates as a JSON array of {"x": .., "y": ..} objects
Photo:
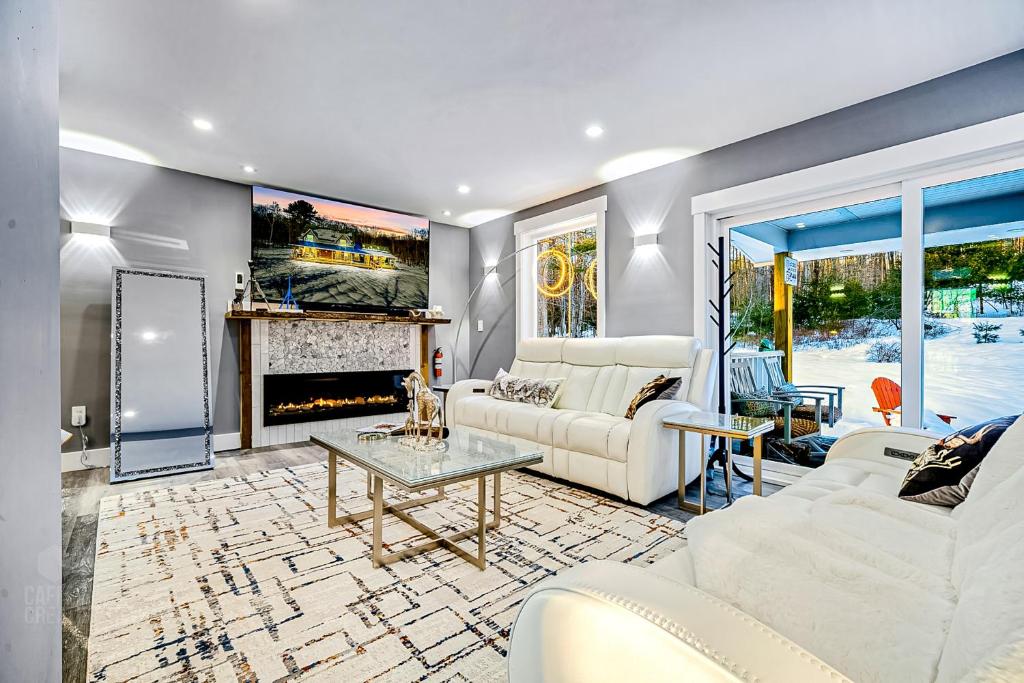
[{"x": 648, "y": 393}]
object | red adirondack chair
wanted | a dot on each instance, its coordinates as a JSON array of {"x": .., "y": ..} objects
[{"x": 890, "y": 399}]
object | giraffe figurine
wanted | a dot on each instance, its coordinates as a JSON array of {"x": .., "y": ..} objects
[{"x": 424, "y": 410}]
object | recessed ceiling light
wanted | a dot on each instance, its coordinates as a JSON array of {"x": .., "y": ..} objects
[
  {"x": 801, "y": 225},
  {"x": 202, "y": 124},
  {"x": 463, "y": 189},
  {"x": 249, "y": 169},
  {"x": 446, "y": 212},
  {"x": 594, "y": 131}
]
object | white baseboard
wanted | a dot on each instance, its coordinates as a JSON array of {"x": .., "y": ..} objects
[
  {"x": 71, "y": 461},
  {"x": 231, "y": 441}
]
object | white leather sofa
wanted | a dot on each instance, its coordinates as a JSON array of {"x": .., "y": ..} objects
[
  {"x": 585, "y": 437},
  {"x": 834, "y": 578}
]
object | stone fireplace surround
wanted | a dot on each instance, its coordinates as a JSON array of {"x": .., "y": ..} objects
[{"x": 294, "y": 346}]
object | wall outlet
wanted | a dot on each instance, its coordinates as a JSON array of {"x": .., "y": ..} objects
[
  {"x": 77, "y": 416},
  {"x": 479, "y": 325}
]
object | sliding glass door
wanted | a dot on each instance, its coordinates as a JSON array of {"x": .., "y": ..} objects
[
  {"x": 909, "y": 297},
  {"x": 838, "y": 325}
]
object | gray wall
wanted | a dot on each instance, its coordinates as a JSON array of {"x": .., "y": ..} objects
[
  {"x": 449, "y": 288},
  {"x": 161, "y": 219},
  {"x": 30, "y": 542},
  {"x": 172, "y": 220},
  {"x": 654, "y": 296}
]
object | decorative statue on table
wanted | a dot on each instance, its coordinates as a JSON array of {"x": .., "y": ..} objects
[{"x": 424, "y": 411}]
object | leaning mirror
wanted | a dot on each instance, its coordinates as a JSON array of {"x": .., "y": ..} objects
[{"x": 160, "y": 386}]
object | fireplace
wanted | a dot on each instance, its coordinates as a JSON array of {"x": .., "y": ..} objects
[{"x": 317, "y": 396}]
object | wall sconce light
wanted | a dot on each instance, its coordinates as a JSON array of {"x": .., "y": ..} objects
[
  {"x": 83, "y": 228},
  {"x": 644, "y": 240}
]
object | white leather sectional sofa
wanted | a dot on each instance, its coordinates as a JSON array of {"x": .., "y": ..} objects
[
  {"x": 585, "y": 437},
  {"x": 832, "y": 579}
]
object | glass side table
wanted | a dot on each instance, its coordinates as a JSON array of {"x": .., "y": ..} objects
[{"x": 728, "y": 427}]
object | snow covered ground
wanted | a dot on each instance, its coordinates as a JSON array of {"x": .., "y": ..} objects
[{"x": 972, "y": 381}]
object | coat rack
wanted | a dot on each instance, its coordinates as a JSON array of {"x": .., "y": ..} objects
[{"x": 723, "y": 288}]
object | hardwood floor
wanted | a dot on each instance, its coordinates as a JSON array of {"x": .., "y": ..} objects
[{"x": 83, "y": 490}]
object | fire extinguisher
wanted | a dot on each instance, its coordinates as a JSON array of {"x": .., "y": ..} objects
[{"x": 438, "y": 362}]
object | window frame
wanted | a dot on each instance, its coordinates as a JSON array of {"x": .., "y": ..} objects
[{"x": 529, "y": 232}]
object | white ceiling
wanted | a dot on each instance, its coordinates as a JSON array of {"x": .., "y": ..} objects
[{"x": 396, "y": 102}]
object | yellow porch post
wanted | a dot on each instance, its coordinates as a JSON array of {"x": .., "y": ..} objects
[{"x": 783, "y": 314}]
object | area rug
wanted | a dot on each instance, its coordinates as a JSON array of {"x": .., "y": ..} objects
[{"x": 240, "y": 579}]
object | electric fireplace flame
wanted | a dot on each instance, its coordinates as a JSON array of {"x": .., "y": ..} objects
[
  {"x": 315, "y": 405},
  {"x": 315, "y": 397}
]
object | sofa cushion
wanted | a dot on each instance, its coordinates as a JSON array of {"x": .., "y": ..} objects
[
  {"x": 540, "y": 350},
  {"x": 606, "y": 436},
  {"x": 577, "y": 388},
  {"x": 864, "y": 605},
  {"x": 988, "y": 622},
  {"x": 881, "y": 475},
  {"x": 657, "y": 351},
  {"x": 590, "y": 352}
]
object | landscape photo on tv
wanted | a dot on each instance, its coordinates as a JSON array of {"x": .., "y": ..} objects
[{"x": 337, "y": 255}]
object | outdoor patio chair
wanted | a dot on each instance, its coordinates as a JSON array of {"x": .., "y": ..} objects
[
  {"x": 832, "y": 413},
  {"x": 889, "y": 395},
  {"x": 793, "y": 438}
]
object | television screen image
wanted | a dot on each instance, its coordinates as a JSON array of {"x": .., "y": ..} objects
[{"x": 337, "y": 255}]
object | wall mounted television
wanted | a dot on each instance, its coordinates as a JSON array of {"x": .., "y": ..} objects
[{"x": 338, "y": 255}]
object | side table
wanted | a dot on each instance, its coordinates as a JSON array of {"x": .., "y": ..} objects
[{"x": 728, "y": 427}]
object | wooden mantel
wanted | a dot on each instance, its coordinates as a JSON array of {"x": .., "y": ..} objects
[
  {"x": 245, "y": 319},
  {"x": 339, "y": 316}
]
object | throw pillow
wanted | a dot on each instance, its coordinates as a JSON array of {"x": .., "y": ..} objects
[
  {"x": 943, "y": 473},
  {"x": 648, "y": 393},
  {"x": 539, "y": 392},
  {"x": 748, "y": 404},
  {"x": 790, "y": 388},
  {"x": 671, "y": 393}
]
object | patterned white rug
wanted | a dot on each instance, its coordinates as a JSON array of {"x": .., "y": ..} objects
[{"x": 241, "y": 580}]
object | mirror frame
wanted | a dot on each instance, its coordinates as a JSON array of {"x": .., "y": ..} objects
[{"x": 116, "y": 473}]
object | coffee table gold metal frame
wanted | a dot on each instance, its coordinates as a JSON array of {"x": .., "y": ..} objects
[
  {"x": 741, "y": 428},
  {"x": 375, "y": 479}
]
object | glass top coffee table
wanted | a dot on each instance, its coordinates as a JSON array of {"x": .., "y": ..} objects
[{"x": 463, "y": 456}]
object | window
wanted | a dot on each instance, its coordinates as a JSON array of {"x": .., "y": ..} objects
[
  {"x": 559, "y": 274},
  {"x": 974, "y": 299},
  {"x": 566, "y": 272}
]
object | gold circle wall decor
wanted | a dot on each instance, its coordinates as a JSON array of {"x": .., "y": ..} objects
[
  {"x": 590, "y": 279},
  {"x": 563, "y": 282}
]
